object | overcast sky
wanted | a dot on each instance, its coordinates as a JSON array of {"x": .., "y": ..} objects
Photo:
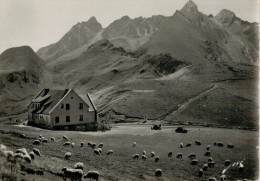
[{"x": 38, "y": 23}]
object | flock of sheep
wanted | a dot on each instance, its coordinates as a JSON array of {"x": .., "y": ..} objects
[{"x": 76, "y": 172}]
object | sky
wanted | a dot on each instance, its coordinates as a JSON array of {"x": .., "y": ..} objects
[{"x": 38, "y": 23}]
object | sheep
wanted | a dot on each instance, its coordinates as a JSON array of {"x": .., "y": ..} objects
[
  {"x": 144, "y": 157},
  {"x": 181, "y": 145},
  {"x": 215, "y": 143},
  {"x": 79, "y": 165},
  {"x": 27, "y": 158},
  {"x": 197, "y": 142},
  {"x": 44, "y": 140},
  {"x": 134, "y": 144},
  {"x": 36, "y": 152},
  {"x": 156, "y": 159},
  {"x": 96, "y": 152},
  {"x": 230, "y": 146},
  {"x": 227, "y": 162},
  {"x": 36, "y": 142},
  {"x": 211, "y": 164},
  {"x": 192, "y": 156},
  {"x": 65, "y": 138},
  {"x": 90, "y": 144},
  {"x": 72, "y": 144},
  {"x": 66, "y": 143},
  {"x": 18, "y": 155},
  {"x": 188, "y": 145},
  {"x": 201, "y": 173},
  {"x": 158, "y": 173},
  {"x": 170, "y": 154},
  {"x": 9, "y": 154},
  {"x": 210, "y": 159},
  {"x": 223, "y": 178},
  {"x": 205, "y": 167},
  {"x": 32, "y": 155},
  {"x": 100, "y": 145},
  {"x": 179, "y": 155},
  {"x": 208, "y": 147},
  {"x": 93, "y": 145},
  {"x": 135, "y": 156},
  {"x": 144, "y": 152},
  {"x": 212, "y": 179},
  {"x": 207, "y": 153},
  {"x": 220, "y": 144},
  {"x": 2, "y": 148},
  {"x": 194, "y": 162},
  {"x": 67, "y": 155},
  {"x": 100, "y": 150},
  {"x": 73, "y": 174},
  {"x": 152, "y": 154},
  {"x": 52, "y": 139},
  {"x": 40, "y": 136},
  {"x": 22, "y": 150},
  {"x": 241, "y": 167},
  {"x": 109, "y": 152},
  {"x": 81, "y": 144},
  {"x": 92, "y": 175}
]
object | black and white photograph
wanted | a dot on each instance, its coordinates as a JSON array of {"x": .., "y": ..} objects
[{"x": 129, "y": 90}]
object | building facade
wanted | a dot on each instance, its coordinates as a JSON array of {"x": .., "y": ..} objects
[{"x": 62, "y": 109}]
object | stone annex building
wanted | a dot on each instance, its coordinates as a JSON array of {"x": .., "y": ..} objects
[{"x": 62, "y": 109}]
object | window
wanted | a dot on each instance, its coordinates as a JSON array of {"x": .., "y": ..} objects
[
  {"x": 57, "y": 119},
  {"x": 80, "y": 117},
  {"x": 80, "y": 105},
  {"x": 67, "y": 119},
  {"x": 67, "y": 106},
  {"x": 62, "y": 106}
]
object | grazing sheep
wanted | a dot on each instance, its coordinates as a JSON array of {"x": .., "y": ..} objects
[
  {"x": 79, "y": 165},
  {"x": 93, "y": 145},
  {"x": 135, "y": 156},
  {"x": 44, "y": 140},
  {"x": 40, "y": 136},
  {"x": 100, "y": 145},
  {"x": 210, "y": 159},
  {"x": 158, "y": 173},
  {"x": 223, "y": 178},
  {"x": 36, "y": 152},
  {"x": 192, "y": 156},
  {"x": 205, "y": 167},
  {"x": 215, "y": 143},
  {"x": 201, "y": 173},
  {"x": 220, "y": 144},
  {"x": 27, "y": 158},
  {"x": 18, "y": 155},
  {"x": 134, "y": 144},
  {"x": 100, "y": 150},
  {"x": 66, "y": 143},
  {"x": 81, "y": 144},
  {"x": 36, "y": 142},
  {"x": 194, "y": 162},
  {"x": 92, "y": 175},
  {"x": 144, "y": 157},
  {"x": 188, "y": 145},
  {"x": 207, "y": 153},
  {"x": 208, "y": 147},
  {"x": 181, "y": 145},
  {"x": 90, "y": 144},
  {"x": 170, "y": 154},
  {"x": 212, "y": 179},
  {"x": 144, "y": 152},
  {"x": 22, "y": 150},
  {"x": 40, "y": 139},
  {"x": 227, "y": 162},
  {"x": 9, "y": 154},
  {"x": 65, "y": 138},
  {"x": 179, "y": 155},
  {"x": 230, "y": 146},
  {"x": 211, "y": 164},
  {"x": 156, "y": 159},
  {"x": 96, "y": 152},
  {"x": 73, "y": 174},
  {"x": 109, "y": 152},
  {"x": 72, "y": 144},
  {"x": 67, "y": 155},
  {"x": 52, "y": 139},
  {"x": 32, "y": 155},
  {"x": 152, "y": 154},
  {"x": 197, "y": 142}
]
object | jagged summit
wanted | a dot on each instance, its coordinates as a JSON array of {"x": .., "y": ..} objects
[{"x": 190, "y": 6}]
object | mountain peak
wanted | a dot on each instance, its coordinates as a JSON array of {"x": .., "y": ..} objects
[
  {"x": 225, "y": 17},
  {"x": 92, "y": 20},
  {"x": 190, "y": 6}
]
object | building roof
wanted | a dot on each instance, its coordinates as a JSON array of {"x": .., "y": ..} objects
[{"x": 50, "y": 99}]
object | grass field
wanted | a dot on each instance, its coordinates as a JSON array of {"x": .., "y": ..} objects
[{"x": 121, "y": 166}]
